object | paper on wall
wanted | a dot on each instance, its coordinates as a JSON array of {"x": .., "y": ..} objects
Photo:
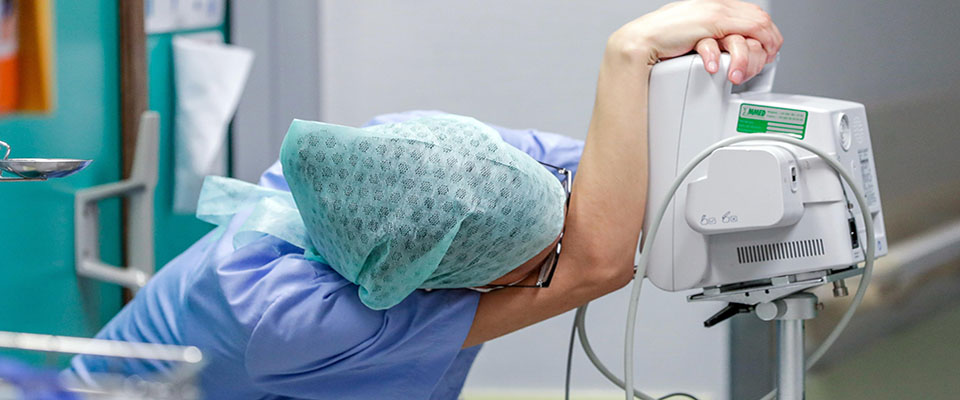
[
  {"x": 209, "y": 78},
  {"x": 160, "y": 15},
  {"x": 195, "y": 14},
  {"x": 171, "y": 15}
]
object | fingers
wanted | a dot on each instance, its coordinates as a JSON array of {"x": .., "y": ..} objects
[
  {"x": 747, "y": 57},
  {"x": 709, "y": 50},
  {"x": 756, "y": 59},
  {"x": 752, "y": 22},
  {"x": 751, "y": 38},
  {"x": 754, "y": 29},
  {"x": 736, "y": 45},
  {"x": 773, "y": 56},
  {"x": 775, "y": 40},
  {"x": 772, "y": 46}
]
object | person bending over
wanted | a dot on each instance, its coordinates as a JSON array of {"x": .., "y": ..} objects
[{"x": 346, "y": 275}]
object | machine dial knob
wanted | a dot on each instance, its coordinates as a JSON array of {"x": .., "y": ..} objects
[{"x": 846, "y": 135}]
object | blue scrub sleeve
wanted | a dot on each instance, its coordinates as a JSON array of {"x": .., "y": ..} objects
[
  {"x": 551, "y": 148},
  {"x": 273, "y": 178},
  {"x": 452, "y": 383},
  {"x": 327, "y": 344}
]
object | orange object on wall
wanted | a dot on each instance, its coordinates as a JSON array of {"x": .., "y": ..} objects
[
  {"x": 26, "y": 56},
  {"x": 9, "y": 78},
  {"x": 36, "y": 74},
  {"x": 9, "y": 84}
]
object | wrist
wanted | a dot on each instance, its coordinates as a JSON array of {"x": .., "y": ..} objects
[{"x": 629, "y": 51}]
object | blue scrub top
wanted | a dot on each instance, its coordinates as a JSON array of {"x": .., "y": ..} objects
[{"x": 274, "y": 325}]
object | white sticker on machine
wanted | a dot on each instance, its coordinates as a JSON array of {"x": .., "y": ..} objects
[{"x": 866, "y": 171}]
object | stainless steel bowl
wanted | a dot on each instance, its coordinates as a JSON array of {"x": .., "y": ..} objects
[{"x": 42, "y": 168}]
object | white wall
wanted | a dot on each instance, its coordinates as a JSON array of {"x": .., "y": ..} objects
[
  {"x": 284, "y": 82},
  {"x": 518, "y": 63}
]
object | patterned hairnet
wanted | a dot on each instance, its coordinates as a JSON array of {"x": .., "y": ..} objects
[{"x": 438, "y": 202}]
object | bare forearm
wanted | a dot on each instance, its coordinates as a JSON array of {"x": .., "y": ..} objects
[
  {"x": 507, "y": 310},
  {"x": 605, "y": 215},
  {"x": 609, "y": 195}
]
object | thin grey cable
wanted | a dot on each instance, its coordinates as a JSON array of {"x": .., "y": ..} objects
[
  {"x": 579, "y": 321},
  {"x": 566, "y": 385}
]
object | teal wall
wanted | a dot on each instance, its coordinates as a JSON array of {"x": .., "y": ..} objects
[{"x": 39, "y": 291}]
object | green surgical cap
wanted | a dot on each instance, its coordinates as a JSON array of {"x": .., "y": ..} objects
[{"x": 440, "y": 202}]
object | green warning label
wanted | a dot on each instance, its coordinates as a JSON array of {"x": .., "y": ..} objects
[{"x": 764, "y": 119}]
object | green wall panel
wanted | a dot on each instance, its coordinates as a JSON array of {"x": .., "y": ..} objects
[{"x": 39, "y": 291}]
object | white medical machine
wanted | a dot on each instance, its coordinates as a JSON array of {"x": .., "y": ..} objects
[
  {"x": 758, "y": 222},
  {"x": 753, "y": 211},
  {"x": 754, "y": 197}
]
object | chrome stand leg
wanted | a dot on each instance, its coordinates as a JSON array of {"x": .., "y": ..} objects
[
  {"x": 790, "y": 312},
  {"x": 790, "y": 364}
]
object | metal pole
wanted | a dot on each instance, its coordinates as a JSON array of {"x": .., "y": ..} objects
[
  {"x": 790, "y": 372},
  {"x": 99, "y": 347},
  {"x": 789, "y": 312}
]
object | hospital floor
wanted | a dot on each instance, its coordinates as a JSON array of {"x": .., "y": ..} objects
[
  {"x": 546, "y": 396},
  {"x": 917, "y": 363}
]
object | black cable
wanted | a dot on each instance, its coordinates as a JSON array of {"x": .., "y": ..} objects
[
  {"x": 566, "y": 386},
  {"x": 678, "y": 394}
]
